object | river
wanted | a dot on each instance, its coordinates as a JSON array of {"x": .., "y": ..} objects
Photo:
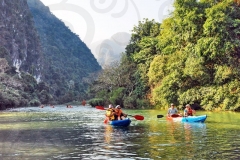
[{"x": 79, "y": 133}]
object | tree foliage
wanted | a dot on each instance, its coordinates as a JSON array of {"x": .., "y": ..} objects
[
  {"x": 116, "y": 84},
  {"x": 199, "y": 53},
  {"x": 192, "y": 57}
]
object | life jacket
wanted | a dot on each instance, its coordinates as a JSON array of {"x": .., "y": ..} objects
[
  {"x": 118, "y": 112},
  {"x": 190, "y": 112},
  {"x": 109, "y": 113}
]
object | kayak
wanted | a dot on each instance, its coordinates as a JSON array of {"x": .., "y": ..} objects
[
  {"x": 190, "y": 119},
  {"x": 124, "y": 123}
]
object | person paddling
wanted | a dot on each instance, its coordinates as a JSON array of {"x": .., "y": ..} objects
[
  {"x": 119, "y": 115},
  {"x": 172, "y": 111},
  {"x": 188, "y": 111},
  {"x": 110, "y": 112},
  {"x": 69, "y": 106}
]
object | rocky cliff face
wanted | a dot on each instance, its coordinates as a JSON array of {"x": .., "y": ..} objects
[
  {"x": 19, "y": 41},
  {"x": 41, "y": 60},
  {"x": 68, "y": 62}
]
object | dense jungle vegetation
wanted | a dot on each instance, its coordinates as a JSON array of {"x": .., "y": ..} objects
[{"x": 191, "y": 57}]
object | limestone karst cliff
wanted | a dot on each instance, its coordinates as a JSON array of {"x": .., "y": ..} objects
[
  {"x": 68, "y": 62},
  {"x": 19, "y": 40},
  {"x": 41, "y": 60}
]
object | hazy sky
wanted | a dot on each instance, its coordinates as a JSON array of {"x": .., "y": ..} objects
[{"x": 97, "y": 21}]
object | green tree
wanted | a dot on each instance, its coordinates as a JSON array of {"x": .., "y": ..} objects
[{"x": 199, "y": 53}]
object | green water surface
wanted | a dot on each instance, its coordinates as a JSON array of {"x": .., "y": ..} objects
[{"x": 79, "y": 133}]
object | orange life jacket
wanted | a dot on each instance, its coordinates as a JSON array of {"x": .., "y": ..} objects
[{"x": 118, "y": 112}]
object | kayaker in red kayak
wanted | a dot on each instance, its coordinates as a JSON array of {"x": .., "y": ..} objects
[{"x": 188, "y": 111}]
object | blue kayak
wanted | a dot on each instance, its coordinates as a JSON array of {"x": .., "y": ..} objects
[
  {"x": 201, "y": 118},
  {"x": 124, "y": 123},
  {"x": 190, "y": 119}
]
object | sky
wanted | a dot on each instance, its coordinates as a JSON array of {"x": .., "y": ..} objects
[{"x": 105, "y": 25}]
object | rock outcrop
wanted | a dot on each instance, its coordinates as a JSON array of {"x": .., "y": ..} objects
[{"x": 19, "y": 40}]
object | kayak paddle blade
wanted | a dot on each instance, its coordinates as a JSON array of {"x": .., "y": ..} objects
[
  {"x": 160, "y": 116},
  {"x": 137, "y": 117},
  {"x": 105, "y": 120},
  {"x": 100, "y": 107}
]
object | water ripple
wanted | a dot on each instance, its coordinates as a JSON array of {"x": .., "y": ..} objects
[{"x": 79, "y": 133}]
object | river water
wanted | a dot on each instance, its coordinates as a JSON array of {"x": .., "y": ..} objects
[{"x": 79, "y": 133}]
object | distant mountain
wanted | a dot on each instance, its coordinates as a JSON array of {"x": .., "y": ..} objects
[
  {"x": 109, "y": 51},
  {"x": 67, "y": 60}
]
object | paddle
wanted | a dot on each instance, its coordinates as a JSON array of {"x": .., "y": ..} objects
[
  {"x": 174, "y": 116},
  {"x": 106, "y": 120},
  {"x": 160, "y": 116},
  {"x": 100, "y": 107},
  {"x": 137, "y": 117}
]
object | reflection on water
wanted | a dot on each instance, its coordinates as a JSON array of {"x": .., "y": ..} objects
[
  {"x": 108, "y": 133},
  {"x": 79, "y": 133}
]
